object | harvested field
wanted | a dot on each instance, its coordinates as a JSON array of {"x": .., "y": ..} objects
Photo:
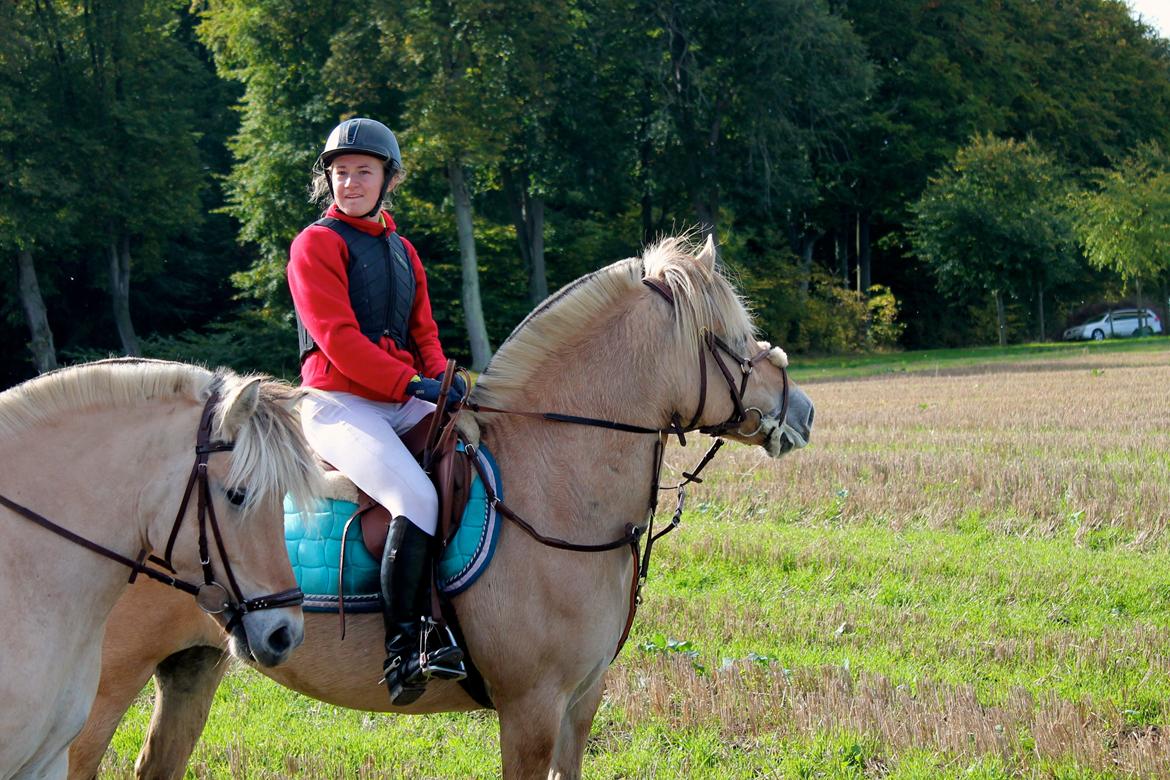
[
  {"x": 965, "y": 561},
  {"x": 1032, "y": 448}
]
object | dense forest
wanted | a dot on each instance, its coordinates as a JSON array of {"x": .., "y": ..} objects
[{"x": 878, "y": 173}]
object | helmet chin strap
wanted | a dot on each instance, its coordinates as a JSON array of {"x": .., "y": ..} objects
[{"x": 377, "y": 204}]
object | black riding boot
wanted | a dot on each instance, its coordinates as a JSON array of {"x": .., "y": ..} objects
[{"x": 416, "y": 648}]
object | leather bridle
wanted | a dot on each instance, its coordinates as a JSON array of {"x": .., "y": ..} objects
[
  {"x": 211, "y": 596},
  {"x": 713, "y": 344},
  {"x": 634, "y": 533}
]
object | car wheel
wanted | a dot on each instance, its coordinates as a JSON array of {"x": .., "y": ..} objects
[
  {"x": 1146, "y": 331},
  {"x": 1098, "y": 335}
]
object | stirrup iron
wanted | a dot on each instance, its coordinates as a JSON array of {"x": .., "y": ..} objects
[{"x": 440, "y": 668}]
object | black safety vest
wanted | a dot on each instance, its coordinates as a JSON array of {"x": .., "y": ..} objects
[{"x": 381, "y": 285}]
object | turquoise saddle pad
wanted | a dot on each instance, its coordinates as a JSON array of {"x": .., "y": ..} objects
[{"x": 314, "y": 542}]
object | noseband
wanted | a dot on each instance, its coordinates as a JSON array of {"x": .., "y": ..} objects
[{"x": 211, "y": 596}]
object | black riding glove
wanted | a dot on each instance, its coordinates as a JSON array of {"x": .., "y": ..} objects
[
  {"x": 458, "y": 387},
  {"x": 428, "y": 390}
]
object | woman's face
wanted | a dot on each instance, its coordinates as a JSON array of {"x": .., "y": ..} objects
[{"x": 357, "y": 182}]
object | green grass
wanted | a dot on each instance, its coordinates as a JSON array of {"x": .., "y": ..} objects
[
  {"x": 967, "y": 608},
  {"x": 814, "y": 368},
  {"x": 993, "y": 611}
]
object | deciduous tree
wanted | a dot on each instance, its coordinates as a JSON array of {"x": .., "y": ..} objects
[
  {"x": 1123, "y": 223},
  {"x": 993, "y": 221}
]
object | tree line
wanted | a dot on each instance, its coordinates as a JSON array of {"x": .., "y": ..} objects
[{"x": 877, "y": 172}]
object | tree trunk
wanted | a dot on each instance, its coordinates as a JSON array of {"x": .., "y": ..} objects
[
  {"x": 528, "y": 219},
  {"x": 699, "y": 136},
  {"x": 537, "y": 271},
  {"x": 41, "y": 335},
  {"x": 1164, "y": 307},
  {"x": 705, "y": 211},
  {"x": 1000, "y": 318},
  {"x": 120, "y": 294},
  {"x": 841, "y": 242},
  {"x": 481, "y": 349},
  {"x": 807, "y": 244},
  {"x": 646, "y": 158},
  {"x": 863, "y": 253},
  {"x": 1040, "y": 310},
  {"x": 1141, "y": 310}
]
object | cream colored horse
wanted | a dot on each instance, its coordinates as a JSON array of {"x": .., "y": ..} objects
[
  {"x": 607, "y": 346},
  {"x": 105, "y": 451}
]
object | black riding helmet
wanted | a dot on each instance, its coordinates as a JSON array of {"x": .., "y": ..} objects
[{"x": 363, "y": 136}]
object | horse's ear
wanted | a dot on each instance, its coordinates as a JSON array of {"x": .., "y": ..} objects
[
  {"x": 241, "y": 405},
  {"x": 707, "y": 255},
  {"x": 289, "y": 402}
]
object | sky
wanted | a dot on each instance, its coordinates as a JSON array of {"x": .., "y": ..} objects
[{"x": 1155, "y": 13}]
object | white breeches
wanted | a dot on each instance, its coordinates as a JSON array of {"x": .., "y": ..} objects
[{"x": 359, "y": 438}]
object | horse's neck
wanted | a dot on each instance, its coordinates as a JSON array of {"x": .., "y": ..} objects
[
  {"x": 566, "y": 478},
  {"x": 102, "y": 476},
  {"x": 586, "y": 481}
]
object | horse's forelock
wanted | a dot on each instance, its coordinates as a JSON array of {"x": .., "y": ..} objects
[
  {"x": 270, "y": 455},
  {"x": 704, "y": 296}
]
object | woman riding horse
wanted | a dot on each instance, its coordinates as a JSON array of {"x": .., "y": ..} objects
[
  {"x": 674, "y": 341},
  {"x": 370, "y": 346}
]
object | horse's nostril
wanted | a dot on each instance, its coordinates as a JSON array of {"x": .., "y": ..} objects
[
  {"x": 280, "y": 640},
  {"x": 811, "y": 413}
]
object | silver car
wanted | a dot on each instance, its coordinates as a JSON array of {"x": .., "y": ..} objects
[{"x": 1119, "y": 322}]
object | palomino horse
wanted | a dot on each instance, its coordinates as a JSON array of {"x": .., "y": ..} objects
[
  {"x": 93, "y": 462},
  {"x": 621, "y": 344}
]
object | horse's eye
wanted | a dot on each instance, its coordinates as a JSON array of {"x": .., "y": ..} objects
[{"x": 237, "y": 496}]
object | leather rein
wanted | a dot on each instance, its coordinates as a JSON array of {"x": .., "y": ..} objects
[
  {"x": 211, "y": 596},
  {"x": 634, "y": 533}
]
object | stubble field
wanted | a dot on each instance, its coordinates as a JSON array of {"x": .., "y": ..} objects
[{"x": 965, "y": 575}]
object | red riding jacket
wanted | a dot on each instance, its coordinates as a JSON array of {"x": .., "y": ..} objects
[{"x": 345, "y": 359}]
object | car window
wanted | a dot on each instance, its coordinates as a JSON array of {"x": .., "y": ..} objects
[{"x": 1123, "y": 316}]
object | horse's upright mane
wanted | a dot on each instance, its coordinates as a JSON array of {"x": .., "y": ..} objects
[
  {"x": 703, "y": 298},
  {"x": 271, "y": 454},
  {"x": 115, "y": 382}
]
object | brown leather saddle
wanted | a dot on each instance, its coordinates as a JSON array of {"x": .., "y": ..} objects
[
  {"x": 433, "y": 442},
  {"x": 450, "y": 471}
]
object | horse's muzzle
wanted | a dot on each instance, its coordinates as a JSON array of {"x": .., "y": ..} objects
[
  {"x": 795, "y": 430},
  {"x": 267, "y": 637}
]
